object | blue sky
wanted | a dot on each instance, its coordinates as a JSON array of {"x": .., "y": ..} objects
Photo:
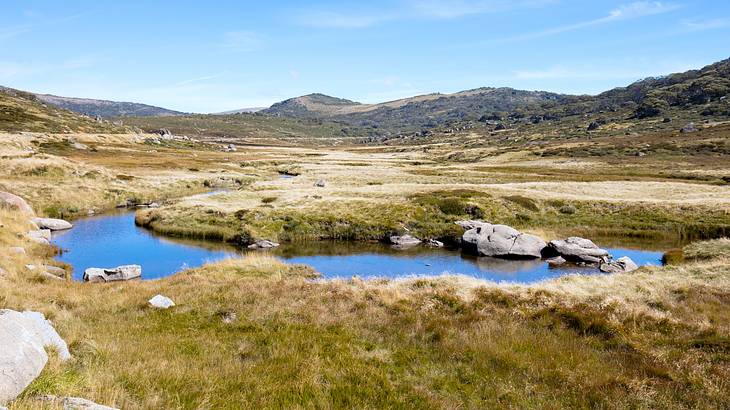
[{"x": 219, "y": 55}]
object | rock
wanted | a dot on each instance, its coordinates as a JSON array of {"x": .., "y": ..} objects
[
  {"x": 689, "y": 128},
  {"x": 23, "y": 338},
  {"x": 16, "y": 250},
  {"x": 79, "y": 146},
  {"x": 74, "y": 403},
  {"x": 55, "y": 271},
  {"x": 577, "y": 249},
  {"x": 40, "y": 236},
  {"x": 52, "y": 224},
  {"x": 404, "y": 241},
  {"x": 49, "y": 275},
  {"x": 433, "y": 243},
  {"x": 470, "y": 224},
  {"x": 555, "y": 261},
  {"x": 501, "y": 241},
  {"x": 320, "y": 183},
  {"x": 620, "y": 265},
  {"x": 161, "y": 302},
  {"x": 120, "y": 273},
  {"x": 229, "y": 317},
  {"x": 593, "y": 126},
  {"x": 8, "y": 200},
  {"x": 263, "y": 244}
]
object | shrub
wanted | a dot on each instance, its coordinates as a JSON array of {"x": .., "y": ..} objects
[
  {"x": 568, "y": 209},
  {"x": 524, "y": 202}
]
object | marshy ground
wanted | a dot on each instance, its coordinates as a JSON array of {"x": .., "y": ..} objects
[{"x": 257, "y": 333}]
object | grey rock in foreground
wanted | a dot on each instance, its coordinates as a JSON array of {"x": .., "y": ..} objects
[
  {"x": 23, "y": 338},
  {"x": 503, "y": 241},
  {"x": 404, "y": 241},
  {"x": 40, "y": 236},
  {"x": 12, "y": 201},
  {"x": 120, "y": 273},
  {"x": 161, "y": 302},
  {"x": 75, "y": 403},
  {"x": 263, "y": 244},
  {"x": 52, "y": 224},
  {"x": 577, "y": 249},
  {"x": 620, "y": 265}
]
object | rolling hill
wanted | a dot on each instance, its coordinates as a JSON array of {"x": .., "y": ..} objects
[
  {"x": 106, "y": 109},
  {"x": 22, "y": 111}
]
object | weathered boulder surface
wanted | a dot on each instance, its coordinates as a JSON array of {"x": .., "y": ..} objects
[
  {"x": 23, "y": 338},
  {"x": 575, "y": 249},
  {"x": 469, "y": 224},
  {"x": 433, "y": 243},
  {"x": 263, "y": 244},
  {"x": 161, "y": 302},
  {"x": 620, "y": 265},
  {"x": 502, "y": 241},
  {"x": 8, "y": 200},
  {"x": 41, "y": 236},
  {"x": 52, "y": 224},
  {"x": 120, "y": 273},
  {"x": 404, "y": 241},
  {"x": 74, "y": 403}
]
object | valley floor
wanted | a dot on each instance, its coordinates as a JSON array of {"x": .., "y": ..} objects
[{"x": 257, "y": 333}]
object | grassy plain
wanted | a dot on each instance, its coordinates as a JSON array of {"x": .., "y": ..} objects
[{"x": 256, "y": 333}]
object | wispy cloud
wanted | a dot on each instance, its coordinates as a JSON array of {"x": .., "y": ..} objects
[
  {"x": 10, "y": 32},
  {"x": 703, "y": 25},
  {"x": 200, "y": 79},
  {"x": 410, "y": 10},
  {"x": 243, "y": 41},
  {"x": 626, "y": 12},
  {"x": 14, "y": 69}
]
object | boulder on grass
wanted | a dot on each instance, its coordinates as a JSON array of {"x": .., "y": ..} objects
[
  {"x": 40, "y": 236},
  {"x": 120, "y": 273},
  {"x": 52, "y": 224},
  {"x": 577, "y": 249},
  {"x": 501, "y": 241},
  {"x": 23, "y": 339},
  {"x": 620, "y": 265},
  {"x": 161, "y": 302},
  {"x": 8, "y": 200}
]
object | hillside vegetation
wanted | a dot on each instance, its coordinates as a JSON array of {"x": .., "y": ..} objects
[
  {"x": 104, "y": 108},
  {"x": 21, "y": 111}
]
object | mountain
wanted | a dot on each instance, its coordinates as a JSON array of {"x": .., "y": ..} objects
[
  {"x": 248, "y": 110},
  {"x": 22, "y": 111},
  {"x": 650, "y": 97},
  {"x": 106, "y": 109}
]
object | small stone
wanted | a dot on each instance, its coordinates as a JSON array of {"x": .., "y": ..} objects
[
  {"x": 263, "y": 244},
  {"x": 161, "y": 302},
  {"x": 320, "y": 183}
]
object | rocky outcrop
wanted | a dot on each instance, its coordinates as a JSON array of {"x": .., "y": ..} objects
[
  {"x": 74, "y": 403},
  {"x": 23, "y": 339},
  {"x": 620, "y": 265},
  {"x": 502, "y": 241},
  {"x": 404, "y": 241},
  {"x": 469, "y": 224},
  {"x": 575, "y": 249},
  {"x": 689, "y": 128},
  {"x": 120, "y": 273},
  {"x": 8, "y": 200},
  {"x": 161, "y": 302},
  {"x": 52, "y": 224}
]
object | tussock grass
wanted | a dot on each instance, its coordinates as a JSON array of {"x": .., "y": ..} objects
[{"x": 718, "y": 248}]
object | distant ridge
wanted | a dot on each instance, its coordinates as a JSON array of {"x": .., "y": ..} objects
[
  {"x": 249, "y": 110},
  {"x": 105, "y": 108}
]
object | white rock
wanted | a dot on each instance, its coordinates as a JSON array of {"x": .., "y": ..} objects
[
  {"x": 263, "y": 244},
  {"x": 52, "y": 224},
  {"x": 23, "y": 338},
  {"x": 161, "y": 302},
  {"x": 125, "y": 272},
  {"x": 620, "y": 265},
  {"x": 8, "y": 200},
  {"x": 41, "y": 236},
  {"x": 17, "y": 250},
  {"x": 486, "y": 239}
]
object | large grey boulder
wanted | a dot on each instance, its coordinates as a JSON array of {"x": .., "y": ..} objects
[
  {"x": 501, "y": 241},
  {"x": 620, "y": 265},
  {"x": 577, "y": 249},
  {"x": 74, "y": 403},
  {"x": 23, "y": 339},
  {"x": 52, "y": 224},
  {"x": 404, "y": 241},
  {"x": 469, "y": 224},
  {"x": 161, "y": 302},
  {"x": 263, "y": 244},
  {"x": 120, "y": 273},
  {"x": 8, "y": 200}
]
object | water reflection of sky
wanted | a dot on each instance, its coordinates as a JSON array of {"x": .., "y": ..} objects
[{"x": 112, "y": 240}]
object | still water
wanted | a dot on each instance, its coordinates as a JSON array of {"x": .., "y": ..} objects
[{"x": 112, "y": 239}]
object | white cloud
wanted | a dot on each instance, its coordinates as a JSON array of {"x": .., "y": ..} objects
[
  {"x": 626, "y": 12},
  {"x": 702, "y": 25},
  {"x": 243, "y": 41},
  {"x": 331, "y": 19},
  {"x": 448, "y": 9}
]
